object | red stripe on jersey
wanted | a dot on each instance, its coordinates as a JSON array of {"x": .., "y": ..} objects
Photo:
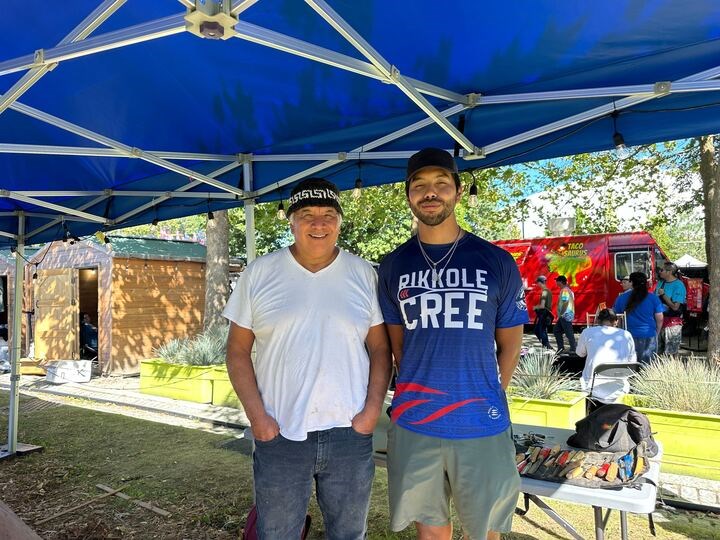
[
  {"x": 397, "y": 411},
  {"x": 445, "y": 410},
  {"x": 414, "y": 387}
]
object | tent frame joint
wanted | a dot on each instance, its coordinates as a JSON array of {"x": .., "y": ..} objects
[
  {"x": 39, "y": 58},
  {"x": 473, "y": 99},
  {"x": 477, "y": 153},
  {"x": 662, "y": 87}
]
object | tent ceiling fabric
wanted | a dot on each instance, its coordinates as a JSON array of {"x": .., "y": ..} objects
[{"x": 113, "y": 114}]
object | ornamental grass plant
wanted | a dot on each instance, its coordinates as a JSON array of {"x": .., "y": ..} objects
[
  {"x": 671, "y": 383},
  {"x": 205, "y": 349},
  {"x": 536, "y": 377}
]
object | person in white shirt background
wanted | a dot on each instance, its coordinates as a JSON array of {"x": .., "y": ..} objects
[{"x": 605, "y": 344}]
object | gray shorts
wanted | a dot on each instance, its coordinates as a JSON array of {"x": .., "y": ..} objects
[{"x": 480, "y": 475}]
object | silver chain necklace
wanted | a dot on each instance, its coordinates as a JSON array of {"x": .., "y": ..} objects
[{"x": 434, "y": 264}]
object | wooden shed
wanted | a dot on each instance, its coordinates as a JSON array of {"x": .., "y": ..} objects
[{"x": 139, "y": 293}]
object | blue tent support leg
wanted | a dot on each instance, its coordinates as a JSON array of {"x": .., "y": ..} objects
[{"x": 13, "y": 447}]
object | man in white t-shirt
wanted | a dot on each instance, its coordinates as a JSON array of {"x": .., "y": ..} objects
[
  {"x": 605, "y": 344},
  {"x": 314, "y": 392}
]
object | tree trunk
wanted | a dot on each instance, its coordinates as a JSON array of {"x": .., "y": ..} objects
[
  {"x": 217, "y": 269},
  {"x": 708, "y": 174}
]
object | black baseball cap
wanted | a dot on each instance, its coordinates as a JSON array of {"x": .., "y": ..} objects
[{"x": 430, "y": 157}]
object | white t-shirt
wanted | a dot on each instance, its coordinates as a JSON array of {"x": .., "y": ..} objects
[
  {"x": 605, "y": 345},
  {"x": 311, "y": 365}
]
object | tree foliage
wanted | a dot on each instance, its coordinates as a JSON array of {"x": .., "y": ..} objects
[{"x": 656, "y": 189}]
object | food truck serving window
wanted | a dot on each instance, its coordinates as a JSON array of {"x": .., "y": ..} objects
[{"x": 627, "y": 262}]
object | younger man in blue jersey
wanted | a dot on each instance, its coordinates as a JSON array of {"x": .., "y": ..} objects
[{"x": 454, "y": 306}]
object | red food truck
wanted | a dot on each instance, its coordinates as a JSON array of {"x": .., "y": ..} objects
[{"x": 593, "y": 264}]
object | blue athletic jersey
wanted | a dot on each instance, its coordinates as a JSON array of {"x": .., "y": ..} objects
[{"x": 448, "y": 385}]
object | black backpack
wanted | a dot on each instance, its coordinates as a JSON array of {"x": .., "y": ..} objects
[{"x": 614, "y": 428}]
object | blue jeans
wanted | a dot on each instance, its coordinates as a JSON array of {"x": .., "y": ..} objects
[
  {"x": 340, "y": 463},
  {"x": 542, "y": 318},
  {"x": 645, "y": 349},
  {"x": 563, "y": 326}
]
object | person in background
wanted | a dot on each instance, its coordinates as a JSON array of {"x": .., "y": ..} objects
[
  {"x": 543, "y": 313},
  {"x": 643, "y": 315},
  {"x": 671, "y": 291},
  {"x": 566, "y": 314},
  {"x": 605, "y": 344},
  {"x": 88, "y": 337},
  {"x": 625, "y": 283}
]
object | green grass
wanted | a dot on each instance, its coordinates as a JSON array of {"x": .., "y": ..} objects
[{"x": 206, "y": 487}]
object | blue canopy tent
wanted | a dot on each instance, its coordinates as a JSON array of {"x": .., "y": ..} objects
[{"x": 132, "y": 111}]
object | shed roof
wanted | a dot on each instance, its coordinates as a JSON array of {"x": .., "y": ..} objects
[{"x": 153, "y": 248}]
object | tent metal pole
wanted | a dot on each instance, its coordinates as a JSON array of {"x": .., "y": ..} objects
[
  {"x": 175, "y": 24},
  {"x": 281, "y": 42},
  {"x": 129, "y": 151},
  {"x": 13, "y": 447},
  {"x": 398, "y": 154},
  {"x": 168, "y": 26},
  {"x": 86, "y": 151},
  {"x": 43, "y": 215},
  {"x": 44, "y": 204},
  {"x": 84, "y": 29},
  {"x": 249, "y": 211},
  {"x": 369, "y": 146},
  {"x": 59, "y": 220},
  {"x": 114, "y": 193},
  {"x": 241, "y": 6},
  {"x": 585, "y": 116},
  {"x": 16, "y": 341},
  {"x": 391, "y": 72},
  {"x": 661, "y": 90},
  {"x": 610, "y": 91},
  {"x": 12, "y": 148},
  {"x": 155, "y": 202}
]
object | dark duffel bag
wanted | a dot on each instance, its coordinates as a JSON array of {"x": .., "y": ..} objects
[{"x": 614, "y": 428}]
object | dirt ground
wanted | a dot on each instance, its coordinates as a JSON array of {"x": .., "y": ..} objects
[{"x": 36, "y": 494}]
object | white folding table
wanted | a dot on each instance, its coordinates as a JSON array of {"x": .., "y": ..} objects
[{"x": 629, "y": 499}]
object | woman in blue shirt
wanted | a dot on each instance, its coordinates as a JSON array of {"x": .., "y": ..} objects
[{"x": 644, "y": 316}]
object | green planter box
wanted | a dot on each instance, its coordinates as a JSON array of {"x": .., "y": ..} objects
[
  {"x": 189, "y": 383},
  {"x": 561, "y": 413},
  {"x": 690, "y": 440},
  {"x": 223, "y": 393}
]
